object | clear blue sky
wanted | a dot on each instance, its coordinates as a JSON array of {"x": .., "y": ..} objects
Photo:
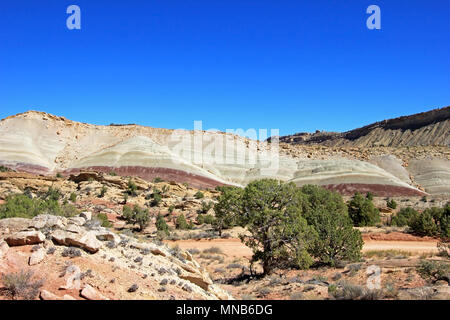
[{"x": 293, "y": 65}]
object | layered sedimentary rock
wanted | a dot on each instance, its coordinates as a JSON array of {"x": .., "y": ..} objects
[
  {"x": 41, "y": 143},
  {"x": 430, "y": 128}
]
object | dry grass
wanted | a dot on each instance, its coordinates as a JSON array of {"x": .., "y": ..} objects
[{"x": 389, "y": 254}]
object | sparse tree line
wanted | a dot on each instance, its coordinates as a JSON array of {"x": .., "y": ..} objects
[{"x": 287, "y": 226}]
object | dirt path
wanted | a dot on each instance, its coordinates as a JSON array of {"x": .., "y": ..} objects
[
  {"x": 234, "y": 247},
  {"x": 410, "y": 246}
]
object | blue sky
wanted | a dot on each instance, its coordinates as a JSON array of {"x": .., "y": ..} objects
[{"x": 293, "y": 65}]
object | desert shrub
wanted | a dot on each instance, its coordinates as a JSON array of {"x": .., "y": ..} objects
[
  {"x": 103, "y": 218},
  {"x": 171, "y": 208},
  {"x": 347, "y": 291},
  {"x": 199, "y": 195},
  {"x": 404, "y": 217},
  {"x": 102, "y": 192},
  {"x": 327, "y": 213},
  {"x": 193, "y": 251},
  {"x": 207, "y": 218},
  {"x": 444, "y": 249},
  {"x": 73, "y": 197},
  {"x": 132, "y": 188},
  {"x": 156, "y": 199},
  {"x": 161, "y": 224},
  {"x": 136, "y": 215},
  {"x": 434, "y": 270},
  {"x": 22, "y": 206},
  {"x": 214, "y": 250},
  {"x": 4, "y": 169},
  {"x": 432, "y": 222},
  {"x": 21, "y": 285},
  {"x": 369, "y": 196},
  {"x": 391, "y": 204},
  {"x": 206, "y": 206},
  {"x": 71, "y": 252},
  {"x": 53, "y": 194},
  {"x": 362, "y": 211},
  {"x": 279, "y": 235},
  {"x": 158, "y": 180},
  {"x": 228, "y": 209},
  {"x": 182, "y": 224}
]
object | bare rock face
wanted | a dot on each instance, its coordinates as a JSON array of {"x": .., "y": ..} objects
[
  {"x": 3, "y": 248},
  {"x": 14, "y": 224},
  {"x": 422, "y": 129},
  {"x": 91, "y": 294},
  {"x": 37, "y": 256},
  {"x": 25, "y": 238},
  {"x": 46, "y": 295},
  {"x": 87, "y": 241},
  {"x": 48, "y": 221},
  {"x": 86, "y": 215}
]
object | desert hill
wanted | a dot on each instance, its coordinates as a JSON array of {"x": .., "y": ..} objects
[
  {"x": 40, "y": 143},
  {"x": 430, "y": 128}
]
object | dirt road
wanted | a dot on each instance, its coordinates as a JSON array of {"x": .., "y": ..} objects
[{"x": 234, "y": 247}]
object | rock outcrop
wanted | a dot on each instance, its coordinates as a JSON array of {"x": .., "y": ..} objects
[
  {"x": 430, "y": 128},
  {"x": 79, "y": 149},
  {"x": 154, "y": 263}
]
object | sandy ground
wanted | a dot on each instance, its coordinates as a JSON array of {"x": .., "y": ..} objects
[
  {"x": 410, "y": 246},
  {"x": 234, "y": 247}
]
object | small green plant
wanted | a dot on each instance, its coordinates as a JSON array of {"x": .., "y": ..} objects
[
  {"x": 21, "y": 285},
  {"x": 59, "y": 175},
  {"x": 161, "y": 224},
  {"x": 391, "y": 204},
  {"x": 132, "y": 188},
  {"x": 103, "y": 218},
  {"x": 206, "y": 206},
  {"x": 156, "y": 199},
  {"x": 158, "y": 180},
  {"x": 404, "y": 217},
  {"x": 182, "y": 224},
  {"x": 4, "y": 169},
  {"x": 171, "y": 209},
  {"x": 103, "y": 192},
  {"x": 362, "y": 211},
  {"x": 136, "y": 215},
  {"x": 112, "y": 173},
  {"x": 73, "y": 197},
  {"x": 205, "y": 219},
  {"x": 434, "y": 270},
  {"x": 199, "y": 195}
]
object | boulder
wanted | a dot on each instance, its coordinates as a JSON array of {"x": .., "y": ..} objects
[
  {"x": 37, "y": 256},
  {"x": 14, "y": 224},
  {"x": 87, "y": 241},
  {"x": 219, "y": 292},
  {"x": 3, "y": 248},
  {"x": 90, "y": 293},
  {"x": 201, "y": 280},
  {"x": 86, "y": 215},
  {"x": 79, "y": 221},
  {"x": 105, "y": 235},
  {"x": 48, "y": 221},
  {"x": 25, "y": 238},
  {"x": 46, "y": 295},
  {"x": 74, "y": 228}
]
